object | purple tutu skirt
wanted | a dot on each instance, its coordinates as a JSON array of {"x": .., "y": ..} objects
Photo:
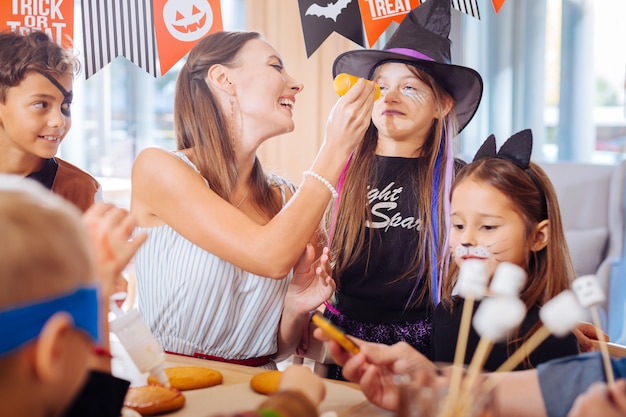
[{"x": 415, "y": 333}]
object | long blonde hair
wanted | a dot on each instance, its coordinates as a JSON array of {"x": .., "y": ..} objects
[{"x": 348, "y": 231}]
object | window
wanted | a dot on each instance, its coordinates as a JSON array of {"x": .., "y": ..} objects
[{"x": 550, "y": 65}]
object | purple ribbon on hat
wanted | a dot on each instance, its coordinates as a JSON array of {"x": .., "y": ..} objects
[{"x": 411, "y": 53}]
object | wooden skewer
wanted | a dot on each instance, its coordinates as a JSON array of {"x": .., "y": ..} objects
[
  {"x": 519, "y": 355},
  {"x": 525, "y": 349},
  {"x": 608, "y": 369},
  {"x": 459, "y": 356},
  {"x": 477, "y": 363}
]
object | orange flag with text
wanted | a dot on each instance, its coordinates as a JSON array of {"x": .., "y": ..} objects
[
  {"x": 180, "y": 24},
  {"x": 54, "y": 17},
  {"x": 378, "y": 15}
]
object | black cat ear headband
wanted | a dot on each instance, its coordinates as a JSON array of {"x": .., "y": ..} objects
[{"x": 516, "y": 149}]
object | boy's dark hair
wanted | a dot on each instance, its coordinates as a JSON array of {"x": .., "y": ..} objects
[{"x": 22, "y": 54}]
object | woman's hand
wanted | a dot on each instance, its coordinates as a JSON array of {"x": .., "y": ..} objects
[{"x": 351, "y": 115}]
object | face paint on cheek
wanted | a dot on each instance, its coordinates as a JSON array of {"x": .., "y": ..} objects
[
  {"x": 499, "y": 248},
  {"x": 420, "y": 95}
]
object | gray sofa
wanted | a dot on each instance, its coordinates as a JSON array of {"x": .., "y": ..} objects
[{"x": 592, "y": 201}]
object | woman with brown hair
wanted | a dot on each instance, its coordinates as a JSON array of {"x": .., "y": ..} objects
[{"x": 224, "y": 236}]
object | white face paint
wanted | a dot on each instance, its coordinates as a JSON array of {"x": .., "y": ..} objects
[
  {"x": 418, "y": 94},
  {"x": 471, "y": 252}
]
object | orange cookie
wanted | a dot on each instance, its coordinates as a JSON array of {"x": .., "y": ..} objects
[
  {"x": 153, "y": 399},
  {"x": 266, "y": 382},
  {"x": 190, "y": 377}
]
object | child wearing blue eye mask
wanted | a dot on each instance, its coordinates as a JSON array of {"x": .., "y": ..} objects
[
  {"x": 36, "y": 77},
  {"x": 52, "y": 314}
]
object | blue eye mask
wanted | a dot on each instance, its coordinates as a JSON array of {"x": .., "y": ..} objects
[{"x": 21, "y": 324}]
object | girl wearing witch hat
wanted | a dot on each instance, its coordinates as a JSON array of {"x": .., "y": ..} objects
[{"x": 388, "y": 231}]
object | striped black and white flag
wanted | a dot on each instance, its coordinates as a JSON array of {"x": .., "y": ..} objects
[
  {"x": 115, "y": 28},
  {"x": 469, "y": 7}
]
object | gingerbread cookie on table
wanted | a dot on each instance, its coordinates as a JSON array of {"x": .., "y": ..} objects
[
  {"x": 186, "y": 378},
  {"x": 148, "y": 400},
  {"x": 266, "y": 382}
]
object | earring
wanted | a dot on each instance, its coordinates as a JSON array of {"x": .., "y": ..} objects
[{"x": 231, "y": 124}]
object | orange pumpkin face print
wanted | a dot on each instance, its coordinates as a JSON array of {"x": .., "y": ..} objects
[
  {"x": 180, "y": 24},
  {"x": 188, "y": 20}
]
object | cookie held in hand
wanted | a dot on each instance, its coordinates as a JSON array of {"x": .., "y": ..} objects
[{"x": 190, "y": 377}]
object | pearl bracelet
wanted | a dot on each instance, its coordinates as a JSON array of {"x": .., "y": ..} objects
[{"x": 323, "y": 180}]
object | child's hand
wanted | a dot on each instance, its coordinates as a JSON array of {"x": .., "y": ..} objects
[
  {"x": 374, "y": 366},
  {"x": 586, "y": 333},
  {"x": 301, "y": 378},
  {"x": 311, "y": 284},
  {"x": 110, "y": 230}
]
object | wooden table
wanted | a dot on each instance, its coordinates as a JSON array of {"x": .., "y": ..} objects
[{"x": 343, "y": 398}]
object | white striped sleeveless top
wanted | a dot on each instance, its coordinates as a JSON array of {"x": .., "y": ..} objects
[{"x": 194, "y": 301}]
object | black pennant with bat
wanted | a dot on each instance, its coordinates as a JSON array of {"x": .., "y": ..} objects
[
  {"x": 320, "y": 18},
  {"x": 330, "y": 11}
]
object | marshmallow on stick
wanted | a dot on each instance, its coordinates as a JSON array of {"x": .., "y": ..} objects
[
  {"x": 589, "y": 295},
  {"x": 471, "y": 285},
  {"x": 558, "y": 316},
  {"x": 495, "y": 318},
  {"x": 508, "y": 280}
]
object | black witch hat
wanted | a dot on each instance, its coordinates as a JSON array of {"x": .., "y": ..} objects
[{"x": 421, "y": 40}]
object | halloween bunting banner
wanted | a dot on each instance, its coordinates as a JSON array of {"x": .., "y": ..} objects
[
  {"x": 351, "y": 18},
  {"x": 155, "y": 34},
  {"x": 54, "y": 17},
  {"x": 152, "y": 34},
  {"x": 320, "y": 18},
  {"x": 469, "y": 7},
  {"x": 180, "y": 24},
  {"x": 113, "y": 28},
  {"x": 377, "y": 16}
]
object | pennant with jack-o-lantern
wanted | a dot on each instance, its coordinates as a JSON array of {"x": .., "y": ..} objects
[
  {"x": 378, "y": 15},
  {"x": 180, "y": 24},
  {"x": 54, "y": 17}
]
